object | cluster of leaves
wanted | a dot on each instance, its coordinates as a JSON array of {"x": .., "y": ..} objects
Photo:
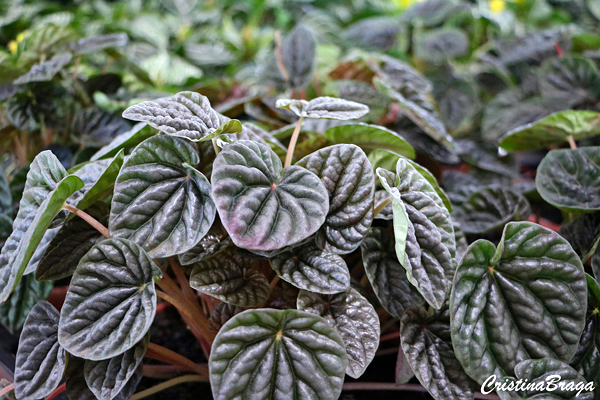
[{"x": 354, "y": 183}]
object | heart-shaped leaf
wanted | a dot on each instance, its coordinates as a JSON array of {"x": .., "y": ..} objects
[
  {"x": 136, "y": 135},
  {"x": 45, "y": 71},
  {"x": 458, "y": 101},
  {"x": 40, "y": 359},
  {"x": 573, "y": 79},
  {"x": 553, "y": 130},
  {"x": 28, "y": 292},
  {"x": 231, "y": 278},
  {"x": 354, "y": 318},
  {"x": 491, "y": 209},
  {"x": 570, "y": 178},
  {"x": 111, "y": 301},
  {"x": 587, "y": 358},
  {"x": 324, "y": 107},
  {"x": 347, "y": 174},
  {"x": 107, "y": 378},
  {"x": 74, "y": 239},
  {"x": 262, "y": 205},
  {"x": 525, "y": 299},
  {"x": 370, "y": 137},
  {"x": 186, "y": 114},
  {"x": 385, "y": 273},
  {"x": 423, "y": 230},
  {"x": 310, "y": 268},
  {"x": 104, "y": 184},
  {"x": 439, "y": 45},
  {"x": 45, "y": 193},
  {"x": 269, "y": 354},
  {"x": 425, "y": 340},
  {"x": 160, "y": 200}
]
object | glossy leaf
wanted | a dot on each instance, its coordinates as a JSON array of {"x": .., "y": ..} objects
[
  {"x": 107, "y": 378},
  {"x": 491, "y": 209},
  {"x": 370, "y": 138},
  {"x": 586, "y": 360},
  {"x": 425, "y": 340},
  {"x": 103, "y": 186},
  {"x": 45, "y": 71},
  {"x": 570, "y": 178},
  {"x": 28, "y": 292},
  {"x": 354, "y": 318},
  {"x": 95, "y": 127},
  {"x": 40, "y": 359},
  {"x": 348, "y": 177},
  {"x": 126, "y": 140},
  {"x": 573, "y": 79},
  {"x": 262, "y": 205},
  {"x": 111, "y": 301},
  {"x": 310, "y": 268},
  {"x": 385, "y": 273},
  {"x": 230, "y": 277},
  {"x": 268, "y": 354},
  {"x": 552, "y": 130},
  {"x": 213, "y": 243},
  {"x": 324, "y": 107},
  {"x": 222, "y": 313},
  {"x": 503, "y": 313},
  {"x": 186, "y": 114},
  {"x": 160, "y": 200}
]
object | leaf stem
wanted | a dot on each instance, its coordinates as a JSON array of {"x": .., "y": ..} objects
[
  {"x": 381, "y": 206},
  {"x": 572, "y": 142},
  {"x": 88, "y": 218},
  {"x": 57, "y": 391},
  {"x": 7, "y": 389},
  {"x": 274, "y": 282},
  {"x": 292, "y": 145},
  {"x": 167, "y": 384},
  {"x": 215, "y": 146},
  {"x": 161, "y": 353},
  {"x": 279, "y": 57}
]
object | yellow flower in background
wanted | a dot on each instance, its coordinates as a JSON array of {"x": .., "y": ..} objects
[
  {"x": 13, "y": 45},
  {"x": 402, "y": 4},
  {"x": 497, "y": 6}
]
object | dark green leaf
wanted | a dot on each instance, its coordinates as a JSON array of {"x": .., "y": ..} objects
[
  {"x": 571, "y": 178},
  {"x": 124, "y": 141},
  {"x": 533, "y": 47},
  {"x": 587, "y": 358},
  {"x": 439, "y": 45},
  {"x": 108, "y": 378},
  {"x": 95, "y": 127},
  {"x": 222, "y": 313},
  {"x": 232, "y": 278},
  {"x": 572, "y": 79},
  {"x": 160, "y": 201},
  {"x": 491, "y": 209},
  {"x": 385, "y": 273},
  {"x": 186, "y": 114},
  {"x": 98, "y": 43},
  {"x": 324, "y": 107},
  {"x": 348, "y": 177},
  {"x": 425, "y": 340},
  {"x": 5, "y": 194},
  {"x": 458, "y": 101},
  {"x": 485, "y": 156},
  {"x": 111, "y": 301},
  {"x": 269, "y": 354},
  {"x": 40, "y": 359},
  {"x": 102, "y": 187},
  {"x": 213, "y": 243},
  {"x": 262, "y": 205},
  {"x": 45, "y": 71},
  {"x": 370, "y": 138},
  {"x": 582, "y": 232},
  {"x": 525, "y": 299},
  {"x": 28, "y": 292},
  {"x": 354, "y": 318},
  {"x": 310, "y": 268},
  {"x": 375, "y": 33},
  {"x": 358, "y": 91}
]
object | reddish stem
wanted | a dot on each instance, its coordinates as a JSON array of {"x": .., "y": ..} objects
[
  {"x": 559, "y": 50},
  {"x": 57, "y": 391},
  {"x": 390, "y": 336}
]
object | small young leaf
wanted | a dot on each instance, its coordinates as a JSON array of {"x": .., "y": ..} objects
[
  {"x": 491, "y": 209},
  {"x": 28, "y": 292},
  {"x": 347, "y": 174},
  {"x": 425, "y": 340},
  {"x": 324, "y": 107},
  {"x": 262, "y": 205},
  {"x": 111, "y": 301},
  {"x": 370, "y": 138},
  {"x": 570, "y": 178},
  {"x": 160, "y": 201},
  {"x": 231, "y": 278},
  {"x": 532, "y": 312},
  {"x": 310, "y": 268},
  {"x": 107, "y": 378},
  {"x": 385, "y": 273},
  {"x": 40, "y": 359},
  {"x": 552, "y": 130},
  {"x": 354, "y": 318},
  {"x": 268, "y": 354},
  {"x": 45, "y": 71},
  {"x": 186, "y": 114}
]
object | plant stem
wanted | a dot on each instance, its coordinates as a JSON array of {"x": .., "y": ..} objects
[
  {"x": 184, "y": 284},
  {"x": 390, "y": 336},
  {"x": 292, "y": 145},
  {"x": 7, "y": 389},
  {"x": 274, "y": 282},
  {"x": 381, "y": 206},
  {"x": 165, "y": 385},
  {"x": 279, "y": 57},
  {"x": 88, "y": 218},
  {"x": 572, "y": 142},
  {"x": 57, "y": 391},
  {"x": 160, "y": 353}
]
